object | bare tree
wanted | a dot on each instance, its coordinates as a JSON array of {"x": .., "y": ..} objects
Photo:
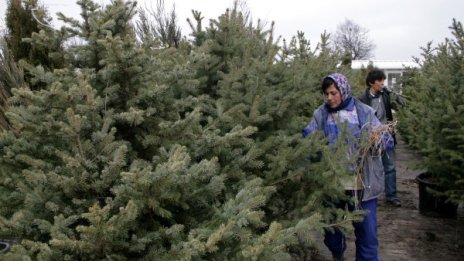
[
  {"x": 163, "y": 26},
  {"x": 353, "y": 40},
  {"x": 242, "y": 7}
]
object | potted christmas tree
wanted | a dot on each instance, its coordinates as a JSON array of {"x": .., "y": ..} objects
[{"x": 433, "y": 123}]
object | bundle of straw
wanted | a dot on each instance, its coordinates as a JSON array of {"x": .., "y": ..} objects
[{"x": 373, "y": 147}]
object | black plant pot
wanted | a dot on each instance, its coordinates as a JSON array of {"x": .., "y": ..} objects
[{"x": 430, "y": 204}]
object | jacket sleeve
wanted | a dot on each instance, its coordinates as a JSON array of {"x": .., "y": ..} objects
[
  {"x": 310, "y": 128},
  {"x": 364, "y": 98},
  {"x": 400, "y": 100},
  {"x": 314, "y": 124}
]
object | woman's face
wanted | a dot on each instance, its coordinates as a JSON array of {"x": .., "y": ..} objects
[{"x": 332, "y": 96}]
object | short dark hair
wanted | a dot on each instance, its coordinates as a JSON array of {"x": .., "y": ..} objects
[
  {"x": 374, "y": 75},
  {"x": 327, "y": 82}
]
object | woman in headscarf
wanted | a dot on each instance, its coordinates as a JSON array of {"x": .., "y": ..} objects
[{"x": 341, "y": 109}]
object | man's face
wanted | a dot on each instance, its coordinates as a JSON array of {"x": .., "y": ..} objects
[{"x": 377, "y": 86}]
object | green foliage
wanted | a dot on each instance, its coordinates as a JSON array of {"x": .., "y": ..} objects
[
  {"x": 30, "y": 39},
  {"x": 21, "y": 24},
  {"x": 434, "y": 118},
  {"x": 132, "y": 151}
]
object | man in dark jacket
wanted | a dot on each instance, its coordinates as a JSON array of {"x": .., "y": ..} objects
[{"x": 378, "y": 98}]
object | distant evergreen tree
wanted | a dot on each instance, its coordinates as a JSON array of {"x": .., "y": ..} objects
[
  {"x": 434, "y": 117},
  {"x": 20, "y": 24},
  {"x": 26, "y": 22}
]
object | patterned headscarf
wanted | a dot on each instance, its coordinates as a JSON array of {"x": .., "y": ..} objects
[{"x": 342, "y": 83}]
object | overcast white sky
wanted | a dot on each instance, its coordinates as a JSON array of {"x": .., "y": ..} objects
[{"x": 398, "y": 27}]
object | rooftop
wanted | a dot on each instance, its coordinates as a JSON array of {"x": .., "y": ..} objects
[{"x": 384, "y": 64}]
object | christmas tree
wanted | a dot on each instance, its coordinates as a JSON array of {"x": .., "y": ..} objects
[{"x": 433, "y": 120}]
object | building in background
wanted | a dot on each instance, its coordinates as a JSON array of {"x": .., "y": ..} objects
[{"x": 394, "y": 70}]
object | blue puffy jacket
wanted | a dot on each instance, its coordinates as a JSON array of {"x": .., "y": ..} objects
[{"x": 373, "y": 174}]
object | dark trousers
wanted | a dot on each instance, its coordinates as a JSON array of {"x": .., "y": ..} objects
[
  {"x": 365, "y": 232},
  {"x": 388, "y": 160}
]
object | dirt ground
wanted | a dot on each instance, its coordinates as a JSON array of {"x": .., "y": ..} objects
[{"x": 404, "y": 233}]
